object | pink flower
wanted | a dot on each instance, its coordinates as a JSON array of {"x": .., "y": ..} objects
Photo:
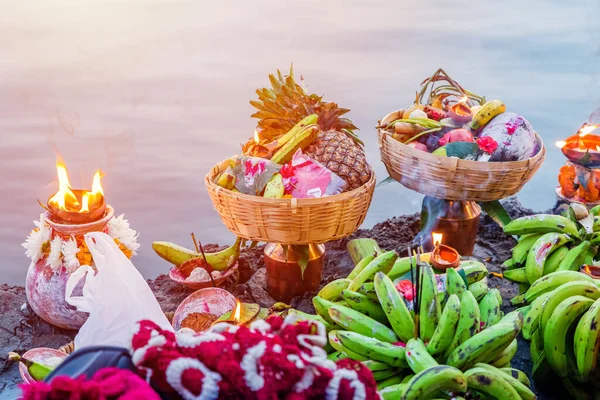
[{"x": 487, "y": 144}]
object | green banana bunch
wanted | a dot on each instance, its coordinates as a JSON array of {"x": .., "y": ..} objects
[
  {"x": 503, "y": 360},
  {"x": 354, "y": 321},
  {"x": 392, "y": 392},
  {"x": 360, "y": 266},
  {"x": 518, "y": 275},
  {"x": 455, "y": 283},
  {"x": 587, "y": 340},
  {"x": 520, "y": 387},
  {"x": 534, "y": 314},
  {"x": 489, "y": 309},
  {"x": 520, "y": 251},
  {"x": 540, "y": 251},
  {"x": 322, "y": 307},
  {"x": 364, "y": 305},
  {"x": 368, "y": 289},
  {"x": 391, "y": 381},
  {"x": 373, "y": 349},
  {"x": 474, "y": 270},
  {"x": 310, "y": 317},
  {"x": 468, "y": 322},
  {"x": 542, "y": 223},
  {"x": 563, "y": 292},
  {"x": 433, "y": 380},
  {"x": 394, "y": 307},
  {"x": 490, "y": 384},
  {"x": 555, "y": 259},
  {"x": 333, "y": 290},
  {"x": 575, "y": 257},
  {"x": 430, "y": 304},
  {"x": 484, "y": 346},
  {"x": 555, "y": 331},
  {"x": 382, "y": 263},
  {"x": 418, "y": 357},
  {"x": 219, "y": 261},
  {"x": 518, "y": 375},
  {"x": 479, "y": 289},
  {"x": 552, "y": 281},
  {"x": 444, "y": 332},
  {"x": 336, "y": 343}
]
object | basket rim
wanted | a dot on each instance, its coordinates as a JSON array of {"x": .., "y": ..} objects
[
  {"x": 208, "y": 181},
  {"x": 472, "y": 164}
]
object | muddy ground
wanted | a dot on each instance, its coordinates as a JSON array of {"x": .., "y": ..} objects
[{"x": 21, "y": 329}]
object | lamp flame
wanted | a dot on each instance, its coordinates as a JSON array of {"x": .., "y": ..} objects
[
  {"x": 237, "y": 312},
  {"x": 256, "y": 137},
  {"x": 64, "y": 192},
  {"x": 96, "y": 185},
  {"x": 560, "y": 144},
  {"x": 85, "y": 203},
  {"x": 587, "y": 129},
  {"x": 437, "y": 238}
]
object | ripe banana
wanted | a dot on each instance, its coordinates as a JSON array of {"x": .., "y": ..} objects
[
  {"x": 474, "y": 270},
  {"x": 555, "y": 331},
  {"x": 365, "y": 305},
  {"x": 356, "y": 322},
  {"x": 575, "y": 257},
  {"x": 444, "y": 332},
  {"x": 468, "y": 323},
  {"x": 554, "y": 259},
  {"x": 394, "y": 307},
  {"x": 219, "y": 261},
  {"x": 455, "y": 283},
  {"x": 418, "y": 357},
  {"x": 542, "y": 223},
  {"x": 430, "y": 304},
  {"x": 506, "y": 356},
  {"x": 489, "y": 309},
  {"x": 485, "y": 114},
  {"x": 532, "y": 318},
  {"x": 274, "y": 189},
  {"x": 306, "y": 121},
  {"x": 519, "y": 252},
  {"x": 300, "y": 140},
  {"x": 373, "y": 349},
  {"x": 491, "y": 384},
  {"x": 521, "y": 388},
  {"x": 333, "y": 290},
  {"x": 552, "y": 281},
  {"x": 518, "y": 375},
  {"x": 429, "y": 382},
  {"x": 360, "y": 266},
  {"x": 484, "y": 346},
  {"x": 479, "y": 289},
  {"x": 563, "y": 292},
  {"x": 227, "y": 179},
  {"x": 381, "y": 263},
  {"x": 321, "y": 307},
  {"x": 587, "y": 341},
  {"x": 336, "y": 343},
  {"x": 540, "y": 251}
]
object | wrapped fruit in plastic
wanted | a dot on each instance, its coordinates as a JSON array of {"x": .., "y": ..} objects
[{"x": 304, "y": 177}]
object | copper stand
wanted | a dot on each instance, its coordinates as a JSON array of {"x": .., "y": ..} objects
[
  {"x": 458, "y": 221},
  {"x": 284, "y": 276}
]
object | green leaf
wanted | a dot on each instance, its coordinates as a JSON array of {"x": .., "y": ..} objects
[
  {"x": 497, "y": 212},
  {"x": 461, "y": 149},
  {"x": 387, "y": 180},
  {"x": 302, "y": 252}
]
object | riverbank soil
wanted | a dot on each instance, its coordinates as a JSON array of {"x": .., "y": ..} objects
[{"x": 21, "y": 329}]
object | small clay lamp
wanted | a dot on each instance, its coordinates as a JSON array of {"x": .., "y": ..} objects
[
  {"x": 583, "y": 148},
  {"x": 76, "y": 206},
  {"x": 460, "y": 112},
  {"x": 443, "y": 256},
  {"x": 593, "y": 271}
]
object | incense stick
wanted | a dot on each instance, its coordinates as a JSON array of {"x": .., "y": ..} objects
[
  {"x": 196, "y": 245},
  {"x": 204, "y": 256}
]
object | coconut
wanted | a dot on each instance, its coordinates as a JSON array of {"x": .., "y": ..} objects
[{"x": 515, "y": 137}]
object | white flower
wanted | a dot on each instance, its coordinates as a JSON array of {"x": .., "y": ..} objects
[
  {"x": 37, "y": 239},
  {"x": 70, "y": 250},
  {"x": 54, "y": 260},
  {"x": 118, "y": 228}
]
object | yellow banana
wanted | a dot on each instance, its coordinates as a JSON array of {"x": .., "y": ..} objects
[
  {"x": 488, "y": 111},
  {"x": 219, "y": 261}
]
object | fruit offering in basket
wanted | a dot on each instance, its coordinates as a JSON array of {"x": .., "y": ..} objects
[
  {"x": 454, "y": 122},
  {"x": 295, "y": 125}
]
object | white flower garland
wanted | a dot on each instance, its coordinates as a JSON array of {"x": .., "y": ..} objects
[{"x": 63, "y": 252}]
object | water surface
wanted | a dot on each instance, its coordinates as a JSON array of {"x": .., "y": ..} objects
[{"x": 154, "y": 94}]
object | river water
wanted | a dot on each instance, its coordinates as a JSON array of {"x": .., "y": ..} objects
[{"x": 154, "y": 93}]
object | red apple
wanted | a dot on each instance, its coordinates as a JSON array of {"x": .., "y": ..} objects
[
  {"x": 417, "y": 145},
  {"x": 457, "y": 135}
]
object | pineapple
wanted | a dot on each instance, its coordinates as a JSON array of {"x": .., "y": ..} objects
[{"x": 337, "y": 147}]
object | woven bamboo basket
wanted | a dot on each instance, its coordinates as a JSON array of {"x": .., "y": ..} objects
[
  {"x": 289, "y": 221},
  {"x": 452, "y": 178}
]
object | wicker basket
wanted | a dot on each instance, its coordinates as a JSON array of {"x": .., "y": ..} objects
[
  {"x": 289, "y": 221},
  {"x": 452, "y": 178}
]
